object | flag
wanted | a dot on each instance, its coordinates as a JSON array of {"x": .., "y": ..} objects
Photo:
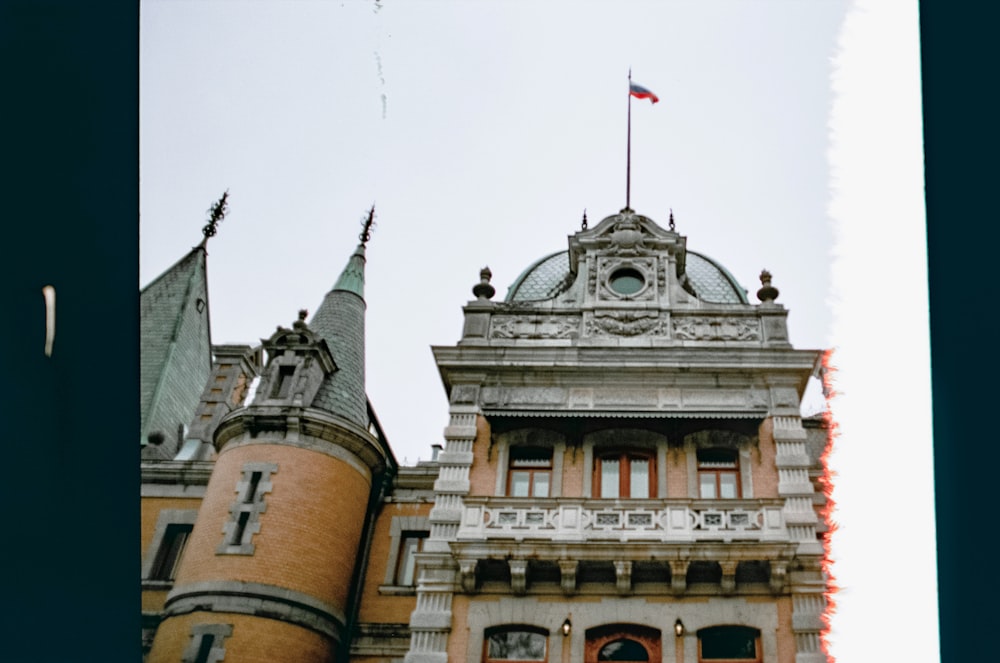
[{"x": 639, "y": 92}]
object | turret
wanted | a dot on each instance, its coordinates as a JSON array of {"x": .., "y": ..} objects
[{"x": 272, "y": 567}]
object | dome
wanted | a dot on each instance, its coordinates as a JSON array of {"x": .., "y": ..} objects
[{"x": 550, "y": 276}]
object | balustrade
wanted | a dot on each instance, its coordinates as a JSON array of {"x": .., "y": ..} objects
[{"x": 659, "y": 520}]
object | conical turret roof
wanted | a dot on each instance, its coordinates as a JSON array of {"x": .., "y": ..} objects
[{"x": 340, "y": 321}]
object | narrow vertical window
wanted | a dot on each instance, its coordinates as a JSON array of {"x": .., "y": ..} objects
[
  {"x": 241, "y": 528},
  {"x": 284, "y": 382},
  {"x": 208, "y": 643},
  {"x": 204, "y": 648},
  {"x": 246, "y": 510},
  {"x": 410, "y": 544},
  {"x": 169, "y": 555}
]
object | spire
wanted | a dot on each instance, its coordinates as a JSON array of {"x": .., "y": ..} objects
[
  {"x": 176, "y": 350},
  {"x": 352, "y": 279},
  {"x": 340, "y": 321},
  {"x": 216, "y": 213}
]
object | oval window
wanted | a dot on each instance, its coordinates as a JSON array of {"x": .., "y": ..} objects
[{"x": 626, "y": 281}]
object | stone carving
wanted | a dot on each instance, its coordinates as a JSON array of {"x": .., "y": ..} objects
[
  {"x": 626, "y": 323},
  {"x": 645, "y": 266},
  {"x": 627, "y": 236},
  {"x": 524, "y": 326},
  {"x": 716, "y": 329}
]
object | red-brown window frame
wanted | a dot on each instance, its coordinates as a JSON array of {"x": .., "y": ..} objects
[
  {"x": 531, "y": 470},
  {"x": 517, "y": 628},
  {"x": 717, "y": 472},
  {"x": 597, "y": 637},
  {"x": 624, "y": 458}
]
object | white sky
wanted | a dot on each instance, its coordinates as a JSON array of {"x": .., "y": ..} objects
[{"x": 481, "y": 130}]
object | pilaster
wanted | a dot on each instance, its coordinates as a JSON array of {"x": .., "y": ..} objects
[{"x": 430, "y": 622}]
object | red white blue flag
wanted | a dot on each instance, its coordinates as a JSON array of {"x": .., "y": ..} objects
[{"x": 639, "y": 92}]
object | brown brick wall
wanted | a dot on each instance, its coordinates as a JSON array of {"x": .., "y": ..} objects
[
  {"x": 784, "y": 635},
  {"x": 458, "y": 640},
  {"x": 677, "y": 473},
  {"x": 149, "y": 513},
  {"x": 382, "y": 608},
  {"x": 483, "y": 473},
  {"x": 254, "y": 640},
  {"x": 573, "y": 469},
  {"x": 309, "y": 533},
  {"x": 762, "y": 459}
]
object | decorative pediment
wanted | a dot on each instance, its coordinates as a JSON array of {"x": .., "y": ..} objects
[{"x": 298, "y": 360}]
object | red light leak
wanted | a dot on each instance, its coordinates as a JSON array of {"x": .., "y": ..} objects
[{"x": 826, "y": 512}]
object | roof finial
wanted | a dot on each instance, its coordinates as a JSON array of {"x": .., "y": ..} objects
[
  {"x": 368, "y": 225},
  {"x": 671, "y": 218},
  {"x": 216, "y": 213},
  {"x": 483, "y": 290},
  {"x": 583, "y": 226},
  {"x": 767, "y": 293}
]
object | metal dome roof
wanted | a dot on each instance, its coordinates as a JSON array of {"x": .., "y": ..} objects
[{"x": 550, "y": 276}]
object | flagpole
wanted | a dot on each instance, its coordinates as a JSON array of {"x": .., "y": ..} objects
[{"x": 628, "y": 147}]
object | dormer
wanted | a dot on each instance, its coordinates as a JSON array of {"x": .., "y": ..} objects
[{"x": 298, "y": 361}]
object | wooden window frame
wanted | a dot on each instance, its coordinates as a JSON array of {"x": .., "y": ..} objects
[
  {"x": 515, "y": 628},
  {"x": 712, "y": 468},
  {"x": 532, "y": 470},
  {"x": 625, "y": 458},
  {"x": 599, "y": 637}
]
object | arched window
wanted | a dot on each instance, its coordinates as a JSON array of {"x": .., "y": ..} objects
[
  {"x": 625, "y": 474},
  {"x": 725, "y": 644},
  {"x": 622, "y": 642},
  {"x": 623, "y": 650},
  {"x": 530, "y": 472},
  {"x": 718, "y": 473},
  {"x": 515, "y": 643}
]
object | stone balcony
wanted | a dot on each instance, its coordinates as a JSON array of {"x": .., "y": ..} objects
[{"x": 572, "y": 520}]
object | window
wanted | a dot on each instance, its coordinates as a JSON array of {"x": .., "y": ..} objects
[
  {"x": 283, "y": 384},
  {"x": 168, "y": 556},
  {"x": 251, "y": 489},
  {"x": 208, "y": 643},
  {"x": 718, "y": 473},
  {"x": 410, "y": 544},
  {"x": 720, "y": 644},
  {"x": 162, "y": 558},
  {"x": 624, "y": 475},
  {"x": 530, "y": 472},
  {"x": 623, "y": 650},
  {"x": 407, "y": 535},
  {"x": 622, "y": 642},
  {"x": 515, "y": 644}
]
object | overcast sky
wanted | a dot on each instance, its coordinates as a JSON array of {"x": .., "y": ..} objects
[{"x": 481, "y": 131}]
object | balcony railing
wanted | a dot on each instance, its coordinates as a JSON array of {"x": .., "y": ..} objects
[{"x": 658, "y": 520}]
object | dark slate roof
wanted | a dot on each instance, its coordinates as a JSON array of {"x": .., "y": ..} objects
[
  {"x": 175, "y": 348},
  {"x": 340, "y": 320}
]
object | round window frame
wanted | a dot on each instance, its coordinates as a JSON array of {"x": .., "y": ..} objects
[{"x": 633, "y": 272}]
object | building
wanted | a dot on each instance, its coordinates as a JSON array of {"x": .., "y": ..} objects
[{"x": 626, "y": 475}]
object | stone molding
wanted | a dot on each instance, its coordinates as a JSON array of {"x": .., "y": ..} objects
[
  {"x": 306, "y": 428},
  {"x": 256, "y": 599}
]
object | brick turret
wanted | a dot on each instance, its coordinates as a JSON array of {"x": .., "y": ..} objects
[{"x": 271, "y": 569}]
